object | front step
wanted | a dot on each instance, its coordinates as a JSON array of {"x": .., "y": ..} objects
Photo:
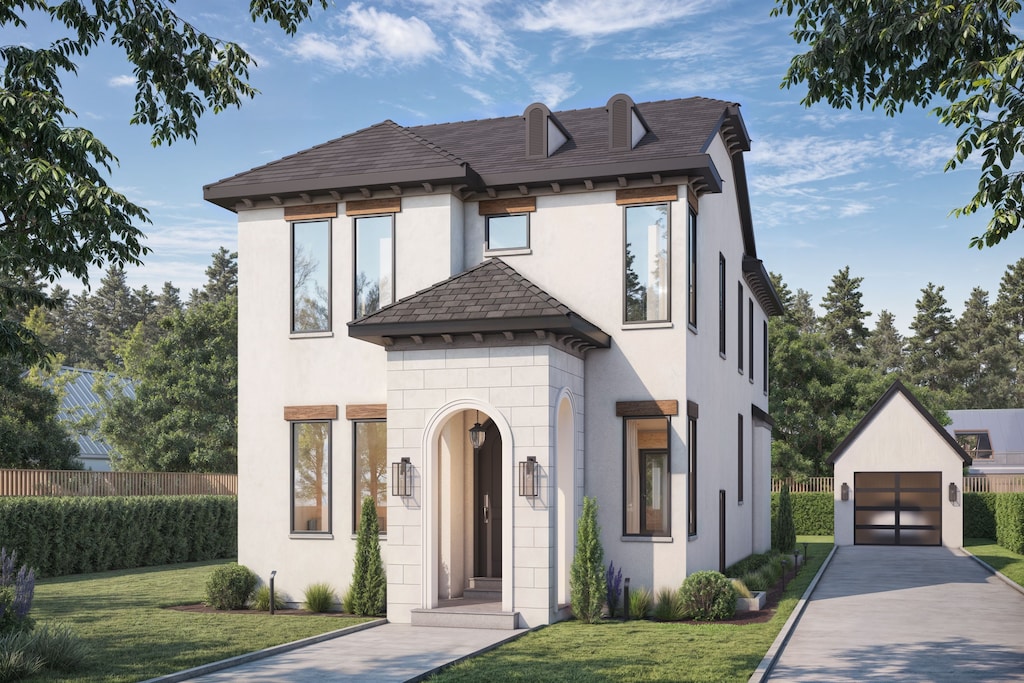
[
  {"x": 482, "y": 595},
  {"x": 455, "y": 617}
]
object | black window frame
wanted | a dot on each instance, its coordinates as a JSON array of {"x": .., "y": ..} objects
[
  {"x": 667, "y": 450},
  {"x": 487, "y": 231},
  {"x": 692, "y": 413},
  {"x": 721, "y": 305},
  {"x": 692, "y": 260},
  {"x": 739, "y": 458},
  {"x": 355, "y": 263},
  {"x": 764, "y": 357},
  {"x": 750, "y": 339},
  {"x": 740, "y": 300},
  {"x": 330, "y": 275},
  {"x": 357, "y": 502},
  {"x": 668, "y": 257},
  {"x": 329, "y": 514}
]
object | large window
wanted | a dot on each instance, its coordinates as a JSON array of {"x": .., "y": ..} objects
[
  {"x": 311, "y": 477},
  {"x": 739, "y": 458},
  {"x": 311, "y": 276},
  {"x": 750, "y": 339},
  {"x": 375, "y": 260},
  {"x": 691, "y": 251},
  {"x": 647, "y": 263},
  {"x": 721, "y": 305},
  {"x": 508, "y": 232},
  {"x": 764, "y": 356},
  {"x": 691, "y": 445},
  {"x": 647, "y": 477},
  {"x": 370, "y": 478}
]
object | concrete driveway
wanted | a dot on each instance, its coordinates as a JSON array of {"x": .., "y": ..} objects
[{"x": 906, "y": 614}]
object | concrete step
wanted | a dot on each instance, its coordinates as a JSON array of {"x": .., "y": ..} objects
[
  {"x": 452, "y": 618},
  {"x": 482, "y": 594},
  {"x": 485, "y": 583}
]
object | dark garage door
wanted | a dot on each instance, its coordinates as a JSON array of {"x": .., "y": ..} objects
[{"x": 897, "y": 508}]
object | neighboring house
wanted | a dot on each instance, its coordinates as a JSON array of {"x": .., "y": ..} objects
[
  {"x": 80, "y": 402},
  {"x": 994, "y": 438},
  {"x": 581, "y": 289}
]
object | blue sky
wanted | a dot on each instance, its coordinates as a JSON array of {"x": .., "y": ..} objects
[{"x": 828, "y": 188}]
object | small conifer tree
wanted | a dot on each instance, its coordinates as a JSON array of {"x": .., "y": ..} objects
[
  {"x": 587, "y": 574},
  {"x": 369, "y": 581},
  {"x": 783, "y": 529}
]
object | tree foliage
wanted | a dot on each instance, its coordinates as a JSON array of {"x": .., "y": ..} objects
[
  {"x": 965, "y": 55},
  {"x": 31, "y": 436},
  {"x": 586, "y": 575},
  {"x": 369, "y": 580}
]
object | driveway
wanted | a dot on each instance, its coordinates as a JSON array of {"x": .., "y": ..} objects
[{"x": 906, "y": 614}]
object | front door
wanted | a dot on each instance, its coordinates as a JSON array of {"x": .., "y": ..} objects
[{"x": 487, "y": 498}]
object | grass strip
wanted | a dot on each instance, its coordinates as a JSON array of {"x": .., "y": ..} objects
[
  {"x": 641, "y": 650},
  {"x": 1009, "y": 563},
  {"x": 121, "y": 615}
]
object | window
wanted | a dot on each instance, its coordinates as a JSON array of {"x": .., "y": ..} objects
[
  {"x": 750, "y": 339},
  {"x": 647, "y": 263},
  {"x": 507, "y": 232},
  {"x": 370, "y": 478},
  {"x": 721, "y": 305},
  {"x": 976, "y": 443},
  {"x": 739, "y": 328},
  {"x": 311, "y": 477},
  {"x": 375, "y": 258},
  {"x": 691, "y": 445},
  {"x": 764, "y": 356},
  {"x": 691, "y": 250},
  {"x": 311, "y": 276},
  {"x": 647, "y": 477},
  {"x": 739, "y": 458}
]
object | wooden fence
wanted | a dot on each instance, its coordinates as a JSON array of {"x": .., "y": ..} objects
[
  {"x": 973, "y": 483},
  {"x": 88, "y": 483}
]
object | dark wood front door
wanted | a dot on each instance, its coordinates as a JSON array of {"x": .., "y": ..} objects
[
  {"x": 487, "y": 497},
  {"x": 897, "y": 508}
]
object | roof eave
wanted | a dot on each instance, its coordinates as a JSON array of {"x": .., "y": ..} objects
[
  {"x": 559, "y": 324},
  {"x": 699, "y": 164},
  {"x": 761, "y": 285}
]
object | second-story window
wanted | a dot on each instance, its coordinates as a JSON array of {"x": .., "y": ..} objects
[
  {"x": 375, "y": 260},
  {"x": 691, "y": 248},
  {"x": 507, "y": 232},
  {"x": 647, "y": 263},
  {"x": 311, "y": 276},
  {"x": 721, "y": 304}
]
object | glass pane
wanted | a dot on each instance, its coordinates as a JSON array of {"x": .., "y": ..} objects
[
  {"x": 371, "y": 479},
  {"x": 691, "y": 246},
  {"x": 931, "y": 518},
  {"x": 920, "y": 480},
  {"x": 875, "y": 518},
  {"x": 874, "y": 537},
  {"x": 311, "y": 276},
  {"x": 508, "y": 232},
  {"x": 919, "y": 499},
  {"x": 374, "y": 258},
  {"x": 882, "y": 480},
  {"x": 920, "y": 537},
  {"x": 311, "y": 465},
  {"x": 656, "y": 482},
  {"x": 647, "y": 476},
  {"x": 875, "y": 499},
  {"x": 647, "y": 262}
]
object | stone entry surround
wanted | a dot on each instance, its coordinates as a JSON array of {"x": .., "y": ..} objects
[{"x": 521, "y": 387}]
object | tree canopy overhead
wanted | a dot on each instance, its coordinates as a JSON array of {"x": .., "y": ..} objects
[
  {"x": 58, "y": 215},
  {"x": 964, "y": 56}
]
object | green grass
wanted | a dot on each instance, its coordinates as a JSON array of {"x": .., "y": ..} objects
[
  {"x": 640, "y": 650},
  {"x": 1009, "y": 563},
  {"x": 121, "y": 616}
]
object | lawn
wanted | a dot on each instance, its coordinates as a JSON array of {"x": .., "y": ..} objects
[
  {"x": 121, "y": 616},
  {"x": 1009, "y": 563},
  {"x": 640, "y": 650}
]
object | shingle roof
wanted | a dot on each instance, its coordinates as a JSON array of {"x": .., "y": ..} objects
[{"x": 489, "y": 297}]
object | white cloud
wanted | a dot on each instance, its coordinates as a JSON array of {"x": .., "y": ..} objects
[
  {"x": 597, "y": 18},
  {"x": 478, "y": 95},
  {"x": 854, "y": 208},
  {"x": 554, "y": 89},
  {"x": 122, "y": 81}
]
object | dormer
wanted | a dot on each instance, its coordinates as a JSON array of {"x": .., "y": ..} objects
[
  {"x": 626, "y": 127},
  {"x": 544, "y": 134}
]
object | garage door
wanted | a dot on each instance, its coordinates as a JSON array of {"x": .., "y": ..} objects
[{"x": 897, "y": 508}]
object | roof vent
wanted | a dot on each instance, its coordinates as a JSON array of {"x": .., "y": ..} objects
[
  {"x": 626, "y": 127},
  {"x": 544, "y": 134}
]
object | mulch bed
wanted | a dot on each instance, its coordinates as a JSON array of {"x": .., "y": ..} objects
[{"x": 200, "y": 608}]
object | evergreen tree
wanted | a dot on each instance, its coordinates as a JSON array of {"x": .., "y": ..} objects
[
  {"x": 930, "y": 349},
  {"x": 31, "y": 436},
  {"x": 221, "y": 278},
  {"x": 1008, "y": 317},
  {"x": 843, "y": 322},
  {"x": 783, "y": 528},
  {"x": 369, "y": 580},
  {"x": 980, "y": 369},
  {"x": 586, "y": 576},
  {"x": 885, "y": 348}
]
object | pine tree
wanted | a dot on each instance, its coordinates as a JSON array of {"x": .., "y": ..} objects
[
  {"x": 843, "y": 322},
  {"x": 369, "y": 581},
  {"x": 931, "y": 350},
  {"x": 980, "y": 369},
  {"x": 885, "y": 348},
  {"x": 586, "y": 576},
  {"x": 221, "y": 278},
  {"x": 1008, "y": 316},
  {"x": 783, "y": 528}
]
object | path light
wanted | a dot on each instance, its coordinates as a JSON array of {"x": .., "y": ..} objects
[
  {"x": 272, "y": 575},
  {"x": 529, "y": 473},
  {"x": 401, "y": 478},
  {"x": 477, "y": 433},
  {"x": 952, "y": 492},
  {"x": 845, "y": 491}
]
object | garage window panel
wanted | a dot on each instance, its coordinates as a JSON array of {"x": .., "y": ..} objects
[{"x": 897, "y": 508}]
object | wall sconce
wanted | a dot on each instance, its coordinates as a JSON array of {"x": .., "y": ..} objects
[
  {"x": 477, "y": 433},
  {"x": 401, "y": 478},
  {"x": 529, "y": 474},
  {"x": 844, "y": 491},
  {"x": 952, "y": 492}
]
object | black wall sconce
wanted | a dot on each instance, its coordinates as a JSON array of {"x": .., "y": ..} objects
[
  {"x": 844, "y": 491},
  {"x": 401, "y": 478},
  {"x": 529, "y": 474},
  {"x": 952, "y": 492}
]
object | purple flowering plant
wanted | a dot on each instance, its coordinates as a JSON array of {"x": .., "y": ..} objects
[
  {"x": 613, "y": 588},
  {"x": 17, "y": 588}
]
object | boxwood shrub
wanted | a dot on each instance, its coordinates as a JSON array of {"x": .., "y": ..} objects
[
  {"x": 813, "y": 513},
  {"x": 980, "y": 515},
  {"x": 76, "y": 535},
  {"x": 1010, "y": 521}
]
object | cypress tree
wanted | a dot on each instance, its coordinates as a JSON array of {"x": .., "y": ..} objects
[
  {"x": 783, "y": 530},
  {"x": 369, "y": 582},
  {"x": 586, "y": 576}
]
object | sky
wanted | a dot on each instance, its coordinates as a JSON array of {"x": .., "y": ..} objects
[{"x": 828, "y": 188}]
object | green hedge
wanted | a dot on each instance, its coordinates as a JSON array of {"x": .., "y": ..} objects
[
  {"x": 980, "y": 515},
  {"x": 1010, "y": 521},
  {"x": 58, "y": 536},
  {"x": 813, "y": 513}
]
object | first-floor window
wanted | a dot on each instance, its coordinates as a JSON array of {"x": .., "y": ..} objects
[
  {"x": 311, "y": 477},
  {"x": 371, "y": 470},
  {"x": 691, "y": 445},
  {"x": 647, "y": 476},
  {"x": 739, "y": 458}
]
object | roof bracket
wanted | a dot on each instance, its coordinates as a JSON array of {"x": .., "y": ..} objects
[
  {"x": 428, "y": 188},
  {"x": 397, "y": 189},
  {"x": 656, "y": 179},
  {"x": 491, "y": 192},
  {"x": 366, "y": 192},
  {"x": 447, "y": 338},
  {"x": 417, "y": 338},
  {"x": 541, "y": 334},
  {"x": 305, "y": 197},
  {"x": 524, "y": 190},
  {"x": 556, "y": 188},
  {"x": 335, "y": 195},
  {"x": 248, "y": 202},
  {"x": 277, "y": 200},
  {"x": 478, "y": 338},
  {"x": 509, "y": 335},
  {"x": 589, "y": 184},
  {"x": 622, "y": 181}
]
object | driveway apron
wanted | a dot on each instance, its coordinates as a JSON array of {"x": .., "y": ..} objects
[{"x": 906, "y": 614}]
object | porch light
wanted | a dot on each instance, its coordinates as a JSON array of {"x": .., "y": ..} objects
[
  {"x": 477, "y": 434},
  {"x": 845, "y": 491},
  {"x": 952, "y": 492},
  {"x": 401, "y": 478},
  {"x": 529, "y": 474}
]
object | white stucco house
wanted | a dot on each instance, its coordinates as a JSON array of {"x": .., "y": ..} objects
[{"x": 580, "y": 288}]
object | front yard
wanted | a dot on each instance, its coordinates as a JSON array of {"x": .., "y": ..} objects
[{"x": 1009, "y": 563}]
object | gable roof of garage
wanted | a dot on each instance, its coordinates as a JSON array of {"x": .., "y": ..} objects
[{"x": 897, "y": 388}]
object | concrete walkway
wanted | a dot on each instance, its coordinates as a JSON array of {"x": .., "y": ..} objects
[{"x": 906, "y": 614}]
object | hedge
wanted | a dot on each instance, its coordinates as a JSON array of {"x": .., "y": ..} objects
[
  {"x": 980, "y": 515},
  {"x": 813, "y": 513},
  {"x": 76, "y": 535},
  {"x": 1010, "y": 521}
]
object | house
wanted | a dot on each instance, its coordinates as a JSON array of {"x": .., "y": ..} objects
[
  {"x": 994, "y": 438},
  {"x": 477, "y": 324},
  {"x": 899, "y": 477},
  {"x": 81, "y": 406}
]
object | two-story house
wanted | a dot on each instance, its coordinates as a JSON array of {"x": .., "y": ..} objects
[{"x": 477, "y": 324}]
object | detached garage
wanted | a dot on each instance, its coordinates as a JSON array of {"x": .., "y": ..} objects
[{"x": 899, "y": 477}]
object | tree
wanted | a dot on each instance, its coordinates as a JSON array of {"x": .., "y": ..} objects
[
  {"x": 843, "y": 322},
  {"x": 221, "y": 278},
  {"x": 890, "y": 54},
  {"x": 884, "y": 350},
  {"x": 58, "y": 215},
  {"x": 369, "y": 581},
  {"x": 930, "y": 350},
  {"x": 1008, "y": 317},
  {"x": 586, "y": 575},
  {"x": 783, "y": 528},
  {"x": 31, "y": 436},
  {"x": 980, "y": 368}
]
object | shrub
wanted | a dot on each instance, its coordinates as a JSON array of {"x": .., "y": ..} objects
[
  {"x": 1010, "y": 522},
  {"x": 57, "y": 647},
  {"x": 16, "y": 591},
  {"x": 15, "y": 662},
  {"x": 708, "y": 596},
  {"x": 741, "y": 588},
  {"x": 668, "y": 606},
  {"x": 320, "y": 597},
  {"x": 764, "y": 577},
  {"x": 347, "y": 604},
  {"x": 369, "y": 582},
  {"x": 750, "y": 563},
  {"x": 613, "y": 588},
  {"x": 639, "y": 602},
  {"x": 980, "y": 515},
  {"x": 586, "y": 576},
  {"x": 230, "y": 586},
  {"x": 261, "y": 599},
  {"x": 783, "y": 531}
]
